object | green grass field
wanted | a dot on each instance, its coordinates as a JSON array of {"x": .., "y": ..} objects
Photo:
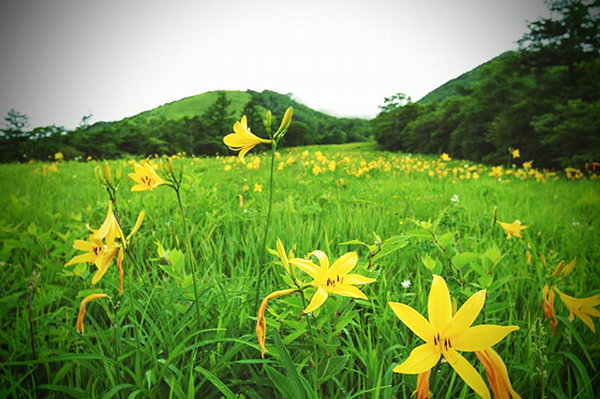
[{"x": 147, "y": 342}]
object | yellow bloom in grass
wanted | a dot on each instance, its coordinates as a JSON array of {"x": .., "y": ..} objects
[
  {"x": 242, "y": 139},
  {"x": 516, "y": 153},
  {"x": 96, "y": 253},
  {"x": 445, "y": 157},
  {"x": 261, "y": 325},
  {"x": 81, "y": 315},
  {"x": 581, "y": 307},
  {"x": 45, "y": 169},
  {"x": 512, "y": 229},
  {"x": 497, "y": 375},
  {"x": 445, "y": 334},
  {"x": 332, "y": 280},
  {"x": 59, "y": 156},
  {"x": 258, "y": 187},
  {"x": 110, "y": 229},
  {"x": 146, "y": 177}
]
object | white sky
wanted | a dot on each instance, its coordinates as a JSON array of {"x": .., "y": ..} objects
[{"x": 62, "y": 59}]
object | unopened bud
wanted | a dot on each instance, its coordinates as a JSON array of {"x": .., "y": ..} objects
[
  {"x": 106, "y": 172},
  {"x": 287, "y": 119},
  {"x": 118, "y": 174},
  {"x": 170, "y": 168},
  {"x": 267, "y": 121},
  {"x": 98, "y": 174}
]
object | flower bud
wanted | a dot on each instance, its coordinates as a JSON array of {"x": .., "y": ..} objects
[
  {"x": 287, "y": 119},
  {"x": 98, "y": 175},
  {"x": 106, "y": 172},
  {"x": 267, "y": 120},
  {"x": 170, "y": 168}
]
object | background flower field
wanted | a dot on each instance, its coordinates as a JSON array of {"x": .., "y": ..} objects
[{"x": 324, "y": 196}]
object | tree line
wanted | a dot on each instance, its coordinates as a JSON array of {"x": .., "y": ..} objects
[
  {"x": 195, "y": 135},
  {"x": 543, "y": 99}
]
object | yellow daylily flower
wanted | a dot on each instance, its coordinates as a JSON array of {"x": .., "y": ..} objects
[
  {"x": 261, "y": 325},
  {"x": 146, "y": 177},
  {"x": 581, "y": 307},
  {"x": 512, "y": 229},
  {"x": 110, "y": 229},
  {"x": 497, "y": 375},
  {"x": 96, "y": 253},
  {"x": 445, "y": 334},
  {"x": 516, "y": 153},
  {"x": 445, "y": 157},
  {"x": 332, "y": 280},
  {"x": 81, "y": 315},
  {"x": 242, "y": 139}
]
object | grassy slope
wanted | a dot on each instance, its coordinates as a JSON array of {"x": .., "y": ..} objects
[
  {"x": 310, "y": 212},
  {"x": 196, "y": 105}
]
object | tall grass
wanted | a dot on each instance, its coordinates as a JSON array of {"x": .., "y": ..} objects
[{"x": 358, "y": 347}]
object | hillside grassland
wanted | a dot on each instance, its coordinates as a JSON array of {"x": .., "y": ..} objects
[{"x": 416, "y": 215}]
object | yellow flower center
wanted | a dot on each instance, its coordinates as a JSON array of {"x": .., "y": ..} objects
[
  {"x": 442, "y": 343},
  {"x": 147, "y": 180},
  {"x": 332, "y": 282}
]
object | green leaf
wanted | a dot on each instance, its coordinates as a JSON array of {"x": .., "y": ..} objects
[
  {"x": 485, "y": 280},
  {"x": 217, "y": 383},
  {"x": 493, "y": 254},
  {"x": 281, "y": 382},
  {"x": 387, "y": 249},
  {"x": 419, "y": 234},
  {"x": 331, "y": 367},
  {"x": 290, "y": 367},
  {"x": 463, "y": 259},
  {"x": 428, "y": 262},
  {"x": 445, "y": 239}
]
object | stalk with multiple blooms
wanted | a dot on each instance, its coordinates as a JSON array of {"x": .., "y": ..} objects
[{"x": 243, "y": 140}]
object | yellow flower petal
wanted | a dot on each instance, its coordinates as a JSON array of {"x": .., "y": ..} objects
[
  {"x": 306, "y": 266},
  {"x": 468, "y": 373},
  {"x": 344, "y": 264},
  {"x": 439, "y": 305},
  {"x": 357, "y": 279},
  {"x": 89, "y": 257},
  {"x": 323, "y": 259},
  {"x": 481, "y": 337},
  {"x": 317, "y": 300},
  {"x": 83, "y": 245},
  {"x": 421, "y": 359},
  {"x": 413, "y": 320},
  {"x": 466, "y": 315},
  {"x": 348, "y": 290}
]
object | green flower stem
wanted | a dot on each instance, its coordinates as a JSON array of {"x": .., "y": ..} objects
[
  {"x": 136, "y": 332},
  {"x": 264, "y": 243},
  {"x": 315, "y": 353},
  {"x": 190, "y": 255}
]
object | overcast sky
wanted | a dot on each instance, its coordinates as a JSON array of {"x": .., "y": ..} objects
[{"x": 62, "y": 59}]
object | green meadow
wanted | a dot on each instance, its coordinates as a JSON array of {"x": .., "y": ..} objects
[{"x": 408, "y": 217}]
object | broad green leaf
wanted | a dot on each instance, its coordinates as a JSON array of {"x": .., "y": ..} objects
[
  {"x": 428, "y": 262},
  {"x": 463, "y": 259}
]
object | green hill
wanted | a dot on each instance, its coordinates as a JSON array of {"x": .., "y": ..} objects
[
  {"x": 458, "y": 86},
  {"x": 196, "y": 105}
]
